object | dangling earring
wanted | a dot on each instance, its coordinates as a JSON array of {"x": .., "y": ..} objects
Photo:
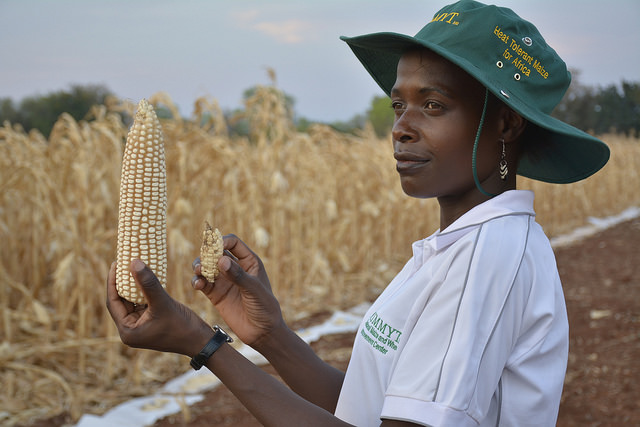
[{"x": 504, "y": 171}]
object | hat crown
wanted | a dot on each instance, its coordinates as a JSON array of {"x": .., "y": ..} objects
[{"x": 503, "y": 51}]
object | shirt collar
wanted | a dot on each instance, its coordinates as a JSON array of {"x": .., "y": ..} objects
[{"x": 507, "y": 203}]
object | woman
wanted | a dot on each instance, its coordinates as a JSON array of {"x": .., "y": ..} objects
[{"x": 473, "y": 330}]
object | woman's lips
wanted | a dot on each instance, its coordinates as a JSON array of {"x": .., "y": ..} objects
[{"x": 407, "y": 162}]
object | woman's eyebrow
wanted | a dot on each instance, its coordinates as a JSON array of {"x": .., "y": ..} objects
[{"x": 424, "y": 90}]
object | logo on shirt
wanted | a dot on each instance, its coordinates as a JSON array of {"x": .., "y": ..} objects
[{"x": 379, "y": 334}]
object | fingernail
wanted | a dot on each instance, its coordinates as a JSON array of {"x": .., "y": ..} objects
[
  {"x": 137, "y": 265},
  {"x": 225, "y": 263}
]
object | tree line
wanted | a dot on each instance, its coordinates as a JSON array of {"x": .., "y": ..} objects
[
  {"x": 598, "y": 110},
  {"x": 41, "y": 112}
]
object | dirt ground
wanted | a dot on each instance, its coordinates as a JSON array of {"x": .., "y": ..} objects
[{"x": 601, "y": 278}]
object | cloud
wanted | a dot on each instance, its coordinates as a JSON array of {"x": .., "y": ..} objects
[
  {"x": 290, "y": 32},
  {"x": 244, "y": 17}
]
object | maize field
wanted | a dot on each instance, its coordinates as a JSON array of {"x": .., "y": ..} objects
[{"x": 324, "y": 210}]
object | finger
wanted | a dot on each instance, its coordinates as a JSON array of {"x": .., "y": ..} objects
[
  {"x": 195, "y": 265},
  {"x": 234, "y": 273},
  {"x": 238, "y": 249},
  {"x": 230, "y": 255},
  {"x": 242, "y": 255},
  {"x": 148, "y": 283},
  {"x": 198, "y": 283},
  {"x": 115, "y": 305}
]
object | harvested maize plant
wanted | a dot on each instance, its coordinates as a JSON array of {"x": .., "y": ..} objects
[
  {"x": 142, "y": 225},
  {"x": 210, "y": 251}
]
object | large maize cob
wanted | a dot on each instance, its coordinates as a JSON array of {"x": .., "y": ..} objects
[
  {"x": 142, "y": 216},
  {"x": 210, "y": 252}
]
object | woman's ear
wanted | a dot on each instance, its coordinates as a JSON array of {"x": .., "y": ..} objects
[{"x": 512, "y": 123}]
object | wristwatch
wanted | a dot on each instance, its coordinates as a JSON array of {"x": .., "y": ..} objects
[{"x": 219, "y": 338}]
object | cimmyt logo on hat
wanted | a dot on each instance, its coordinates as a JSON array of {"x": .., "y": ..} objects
[{"x": 447, "y": 18}]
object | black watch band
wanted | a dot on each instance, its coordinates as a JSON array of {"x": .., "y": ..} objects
[{"x": 219, "y": 338}]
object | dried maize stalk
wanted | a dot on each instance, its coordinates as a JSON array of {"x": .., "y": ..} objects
[
  {"x": 142, "y": 216},
  {"x": 210, "y": 252}
]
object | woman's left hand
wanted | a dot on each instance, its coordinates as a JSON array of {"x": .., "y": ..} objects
[{"x": 162, "y": 324}]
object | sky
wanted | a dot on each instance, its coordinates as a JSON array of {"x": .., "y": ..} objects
[{"x": 219, "y": 48}]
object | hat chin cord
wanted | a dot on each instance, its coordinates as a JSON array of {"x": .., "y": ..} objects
[{"x": 475, "y": 147}]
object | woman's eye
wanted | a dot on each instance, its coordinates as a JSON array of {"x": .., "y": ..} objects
[
  {"x": 397, "y": 106},
  {"x": 431, "y": 105}
]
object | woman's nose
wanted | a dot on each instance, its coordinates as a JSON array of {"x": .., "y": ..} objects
[{"x": 403, "y": 129}]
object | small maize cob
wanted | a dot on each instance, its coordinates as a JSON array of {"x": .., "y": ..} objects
[
  {"x": 210, "y": 252},
  {"x": 142, "y": 214}
]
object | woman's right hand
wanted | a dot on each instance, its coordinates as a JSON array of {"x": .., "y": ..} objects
[{"x": 241, "y": 292}]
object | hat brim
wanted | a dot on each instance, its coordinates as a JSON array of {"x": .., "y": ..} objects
[{"x": 556, "y": 152}]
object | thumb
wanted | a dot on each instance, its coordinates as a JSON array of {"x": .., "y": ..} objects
[
  {"x": 147, "y": 282},
  {"x": 234, "y": 272}
]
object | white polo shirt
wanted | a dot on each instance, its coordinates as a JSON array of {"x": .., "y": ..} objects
[{"x": 472, "y": 332}]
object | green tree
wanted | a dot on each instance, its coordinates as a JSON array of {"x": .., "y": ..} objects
[
  {"x": 8, "y": 111},
  {"x": 608, "y": 110},
  {"x": 380, "y": 115},
  {"x": 303, "y": 124},
  {"x": 357, "y": 122},
  {"x": 41, "y": 112},
  {"x": 628, "y": 111},
  {"x": 577, "y": 105},
  {"x": 614, "y": 108}
]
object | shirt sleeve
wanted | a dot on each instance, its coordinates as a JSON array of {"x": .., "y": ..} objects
[{"x": 463, "y": 334}]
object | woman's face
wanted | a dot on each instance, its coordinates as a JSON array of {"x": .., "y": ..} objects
[{"x": 437, "y": 112}]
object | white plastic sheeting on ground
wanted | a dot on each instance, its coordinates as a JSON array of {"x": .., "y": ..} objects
[{"x": 595, "y": 225}]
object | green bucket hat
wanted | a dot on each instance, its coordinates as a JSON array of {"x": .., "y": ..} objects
[{"x": 510, "y": 58}]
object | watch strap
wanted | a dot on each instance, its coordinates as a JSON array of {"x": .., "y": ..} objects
[{"x": 219, "y": 338}]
